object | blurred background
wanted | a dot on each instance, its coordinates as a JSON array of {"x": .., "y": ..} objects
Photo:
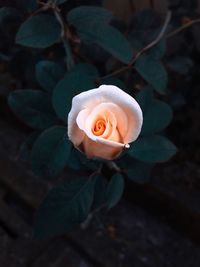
[{"x": 157, "y": 223}]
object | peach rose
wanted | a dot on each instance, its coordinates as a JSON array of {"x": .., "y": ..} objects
[{"x": 103, "y": 121}]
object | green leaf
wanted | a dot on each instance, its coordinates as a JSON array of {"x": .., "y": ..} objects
[
  {"x": 26, "y": 146},
  {"x": 153, "y": 72},
  {"x": 180, "y": 64},
  {"x": 7, "y": 13},
  {"x": 156, "y": 114},
  {"x": 33, "y": 107},
  {"x": 147, "y": 26},
  {"x": 152, "y": 149},
  {"x": 79, "y": 161},
  {"x": 156, "y": 118},
  {"x": 113, "y": 42},
  {"x": 87, "y": 14},
  {"x": 27, "y": 5},
  {"x": 50, "y": 152},
  {"x": 155, "y": 53},
  {"x": 85, "y": 69},
  {"x": 116, "y": 82},
  {"x": 92, "y": 27},
  {"x": 75, "y": 159},
  {"x": 158, "y": 51},
  {"x": 39, "y": 31},
  {"x": 139, "y": 172},
  {"x": 64, "y": 206},
  {"x": 99, "y": 192},
  {"x": 48, "y": 74},
  {"x": 145, "y": 98},
  {"x": 80, "y": 78},
  {"x": 115, "y": 190}
]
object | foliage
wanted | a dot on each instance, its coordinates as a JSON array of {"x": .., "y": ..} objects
[
  {"x": 65, "y": 205},
  {"x": 39, "y": 31},
  {"x": 92, "y": 26},
  {"x": 51, "y": 37},
  {"x": 151, "y": 107},
  {"x": 50, "y": 151},
  {"x": 80, "y": 78}
]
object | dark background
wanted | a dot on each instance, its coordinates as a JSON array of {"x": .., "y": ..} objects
[{"x": 157, "y": 223}]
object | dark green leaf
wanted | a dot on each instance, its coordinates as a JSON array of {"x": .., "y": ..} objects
[
  {"x": 158, "y": 51},
  {"x": 116, "y": 82},
  {"x": 27, "y": 5},
  {"x": 32, "y": 107},
  {"x": 75, "y": 159},
  {"x": 115, "y": 190},
  {"x": 7, "y": 13},
  {"x": 92, "y": 27},
  {"x": 85, "y": 69},
  {"x": 181, "y": 65},
  {"x": 87, "y": 14},
  {"x": 26, "y": 146},
  {"x": 79, "y": 161},
  {"x": 147, "y": 25},
  {"x": 139, "y": 172},
  {"x": 146, "y": 20},
  {"x": 5, "y": 57},
  {"x": 156, "y": 114},
  {"x": 39, "y": 31},
  {"x": 152, "y": 149},
  {"x": 113, "y": 42},
  {"x": 153, "y": 72},
  {"x": 80, "y": 78},
  {"x": 145, "y": 98},
  {"x": 156, "y": 118},
  {"x": 64, "y": 206},
  {"x": 48, "y": 74},
  {"x": 50, "y": 152},
  {"x": 99, "y": 192}
]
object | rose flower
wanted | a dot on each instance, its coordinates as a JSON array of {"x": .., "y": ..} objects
[{"x": 103, "y": 121}]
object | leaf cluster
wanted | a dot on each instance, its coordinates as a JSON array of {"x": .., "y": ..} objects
[{"x": 45, "y": 108}]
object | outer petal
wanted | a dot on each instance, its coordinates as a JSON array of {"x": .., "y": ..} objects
[
  {"x": 102, "y": 149},
  {"x": 84, "y": 100}
]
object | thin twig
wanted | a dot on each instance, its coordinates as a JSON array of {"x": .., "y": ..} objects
[
  {"x": 157, "y": 40},
  {"x": 64, "y": 36},
  {"x": 143, "y": 50},
  {"x": 169, "y": 35},
  {"x": 65, "y": 33},
  {"x": 182, "y": 28},
  {"x": 116, "y": 72}
]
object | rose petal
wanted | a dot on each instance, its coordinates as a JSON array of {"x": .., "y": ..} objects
[
  {"x": 116, "y": 115},
  {"x": 75, "y": 129},
  {"x": 100, "y": 150}
]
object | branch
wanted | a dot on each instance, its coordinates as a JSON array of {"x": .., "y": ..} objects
[
  {"x": 64, "y": 36},
  {"x": 143, "y": 50},
  {"x": 157, "y": 40},
  {"x": 65, "y": 33},
  {"x": 185, "y": 26}
]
